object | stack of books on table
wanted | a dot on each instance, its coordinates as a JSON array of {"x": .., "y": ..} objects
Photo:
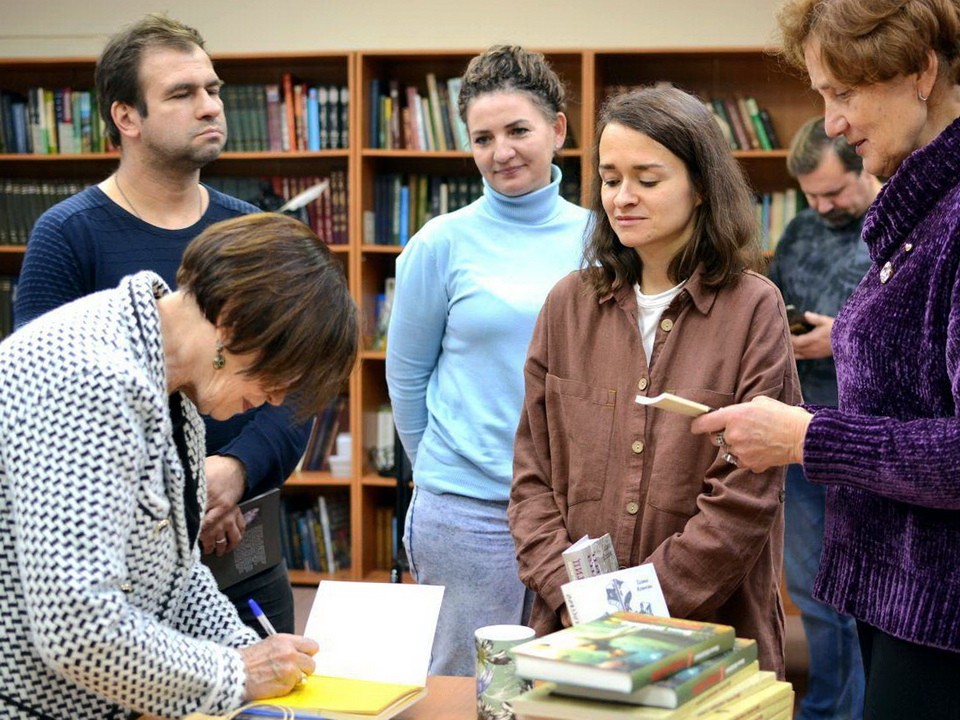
[{"x": 628, "y": 666}]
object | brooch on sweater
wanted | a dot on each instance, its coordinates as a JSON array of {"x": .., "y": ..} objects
[{"x": 886, "y": 272}]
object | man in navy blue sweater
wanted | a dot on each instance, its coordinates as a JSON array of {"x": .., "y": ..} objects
[{"x": 159, "y": 97}]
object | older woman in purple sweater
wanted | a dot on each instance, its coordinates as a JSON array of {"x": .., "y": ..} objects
[{"x": 890, "y": 454}]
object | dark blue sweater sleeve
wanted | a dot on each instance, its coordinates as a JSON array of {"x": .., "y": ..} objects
[
  {"x": 51, "y": 274},
  {"x": 267, "y": 440}
]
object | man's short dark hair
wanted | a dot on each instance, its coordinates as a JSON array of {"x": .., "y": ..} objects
[
  {"x": 811, "y": 141},
  {"x": 117, "y": 75}
]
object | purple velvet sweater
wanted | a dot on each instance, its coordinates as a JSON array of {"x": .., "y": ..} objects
[{"x": 891, "y": 453}]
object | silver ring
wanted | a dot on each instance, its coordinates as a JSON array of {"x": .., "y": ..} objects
[
  {"x": 720, "y": 442},
  {"x": 730, "y": 459},
  {"x": 221, "y": 541}
]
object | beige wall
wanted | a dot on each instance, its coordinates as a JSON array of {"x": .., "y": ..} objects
[{"x": 79, "y": 27}]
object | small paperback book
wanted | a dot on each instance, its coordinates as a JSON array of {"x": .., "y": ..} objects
[
  {"x": 635, "y": 589},
  {"x": 375, "y": 641},
  {"x": 259, "y": 548},
  {"x": 588, "y": 557},
  {"x": 683, "y": 686},
  {"x": 622, "y": 651}
]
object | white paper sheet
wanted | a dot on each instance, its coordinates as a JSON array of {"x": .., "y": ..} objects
[{"x": 374, "y": 631}]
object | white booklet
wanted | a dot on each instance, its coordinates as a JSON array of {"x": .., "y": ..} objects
[
  {"x": 590, "y": 556},
  {"x": 375, "y": 631},
  {"x": 635, "y": 589},
  {"x": 674, "y": 403}
]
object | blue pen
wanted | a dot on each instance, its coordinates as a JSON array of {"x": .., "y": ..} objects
[{"x": 261, "y": 617}]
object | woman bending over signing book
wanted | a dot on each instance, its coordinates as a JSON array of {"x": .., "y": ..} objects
[{"x": 668, "y": 302}]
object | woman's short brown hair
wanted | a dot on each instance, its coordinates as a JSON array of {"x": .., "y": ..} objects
[
  {"x": 724, "y": 238},
  {"x": 869, "y": 41},
  {"x": 276, "y": 290}
]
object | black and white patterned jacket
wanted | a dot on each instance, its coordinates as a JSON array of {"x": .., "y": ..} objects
[{"x": 105, "y": 609}]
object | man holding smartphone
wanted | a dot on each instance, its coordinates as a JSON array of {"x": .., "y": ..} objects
[{"x": 818, "y": 263}]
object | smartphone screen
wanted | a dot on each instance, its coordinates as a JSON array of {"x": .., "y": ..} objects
[{"x": 798, "y": 325}]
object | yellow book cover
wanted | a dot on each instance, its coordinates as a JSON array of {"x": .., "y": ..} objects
[
  {"x": 763, "y": 704},
  {"x": 336, "y": 698}
]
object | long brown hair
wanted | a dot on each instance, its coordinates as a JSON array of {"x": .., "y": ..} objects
[{"x": 725, "y": 229}]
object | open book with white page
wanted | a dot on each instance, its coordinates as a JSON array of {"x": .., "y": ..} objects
[{"x": 375, "y": 641}]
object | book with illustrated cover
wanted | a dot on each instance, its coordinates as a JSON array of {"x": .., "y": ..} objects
[
  {"x": 588, "y": 557},
  {"x": 684, "y": 686},
  {"x": 635, "y": 589},
  {"x": 543, "y": 702},
  {"x": 259, "y": 547},
  {"x": 622, "y": 651},
  {"x": 674, "y": 403}
]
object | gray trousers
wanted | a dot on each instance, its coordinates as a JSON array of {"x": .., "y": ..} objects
[{"x": 465, "y": 545}]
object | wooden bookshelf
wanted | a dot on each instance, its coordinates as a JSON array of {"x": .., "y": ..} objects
[{"x": 590, "y": 75}]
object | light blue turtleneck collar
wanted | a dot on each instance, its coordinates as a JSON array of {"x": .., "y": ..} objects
[{"x": 534, "y": 208}]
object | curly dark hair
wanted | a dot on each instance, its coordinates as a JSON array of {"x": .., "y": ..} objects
[{"x": 510, "y": 67}]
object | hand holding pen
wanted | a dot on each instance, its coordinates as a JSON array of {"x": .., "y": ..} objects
[{"x": 277, "y": 663}]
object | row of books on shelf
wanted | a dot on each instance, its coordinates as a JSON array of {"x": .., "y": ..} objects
[
  {"x": 405, "y": 118},
  {"x": 402, "y": 204},
  {"x": 327, "y": 213},
  {"x": 384, "y": 533},
  {"x": 633, "y": 666},
  {"x": 324, "y": 432},
  {"x": 745, "y": 124},
  {"x": 51, "y": 121},
  {"x": 8, "y": 295},
  {"x": 316, "y": 535},
  {"x": 775, "y": 210},
  {"x": 286, "y": 116},
  {"x": 23, "y": 201}
]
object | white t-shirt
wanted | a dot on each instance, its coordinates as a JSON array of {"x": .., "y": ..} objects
[{"x": 649, "y": 310}]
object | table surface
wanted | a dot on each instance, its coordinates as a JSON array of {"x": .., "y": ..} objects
[{"x": 448, "y": 698}]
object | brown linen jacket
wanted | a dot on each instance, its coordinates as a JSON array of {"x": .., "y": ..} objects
[{"x": 590, "y": 460}]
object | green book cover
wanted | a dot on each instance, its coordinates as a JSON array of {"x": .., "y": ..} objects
[
  {"x": 623, "y": 651},
  {"x": 681, "y": 687}
]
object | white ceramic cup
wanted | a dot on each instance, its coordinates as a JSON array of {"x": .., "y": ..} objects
[{"x": 497, "y": 681}]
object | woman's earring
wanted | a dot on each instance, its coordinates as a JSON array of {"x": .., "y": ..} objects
[{"x": 218, "y": 359}]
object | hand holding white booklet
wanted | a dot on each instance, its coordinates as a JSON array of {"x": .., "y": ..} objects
[
  {"x": 635, "y": 589},
  {"x": 674, "y": 403}
]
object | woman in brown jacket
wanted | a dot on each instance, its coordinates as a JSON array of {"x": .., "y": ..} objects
[{"x": 669, "y": 301}]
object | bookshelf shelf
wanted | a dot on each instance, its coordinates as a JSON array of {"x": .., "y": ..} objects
[
  {"x": 312, "y": 479},
  {"x": 370, "y": 480},
  {"x": 590, "y": 76},
  {"x": 408, "y": 154},
  {"x": 382, "y": 249},
  {"x": 310, "y": 577}
]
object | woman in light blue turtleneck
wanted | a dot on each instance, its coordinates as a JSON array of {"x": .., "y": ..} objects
[{"x": 469, "y": 288}]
